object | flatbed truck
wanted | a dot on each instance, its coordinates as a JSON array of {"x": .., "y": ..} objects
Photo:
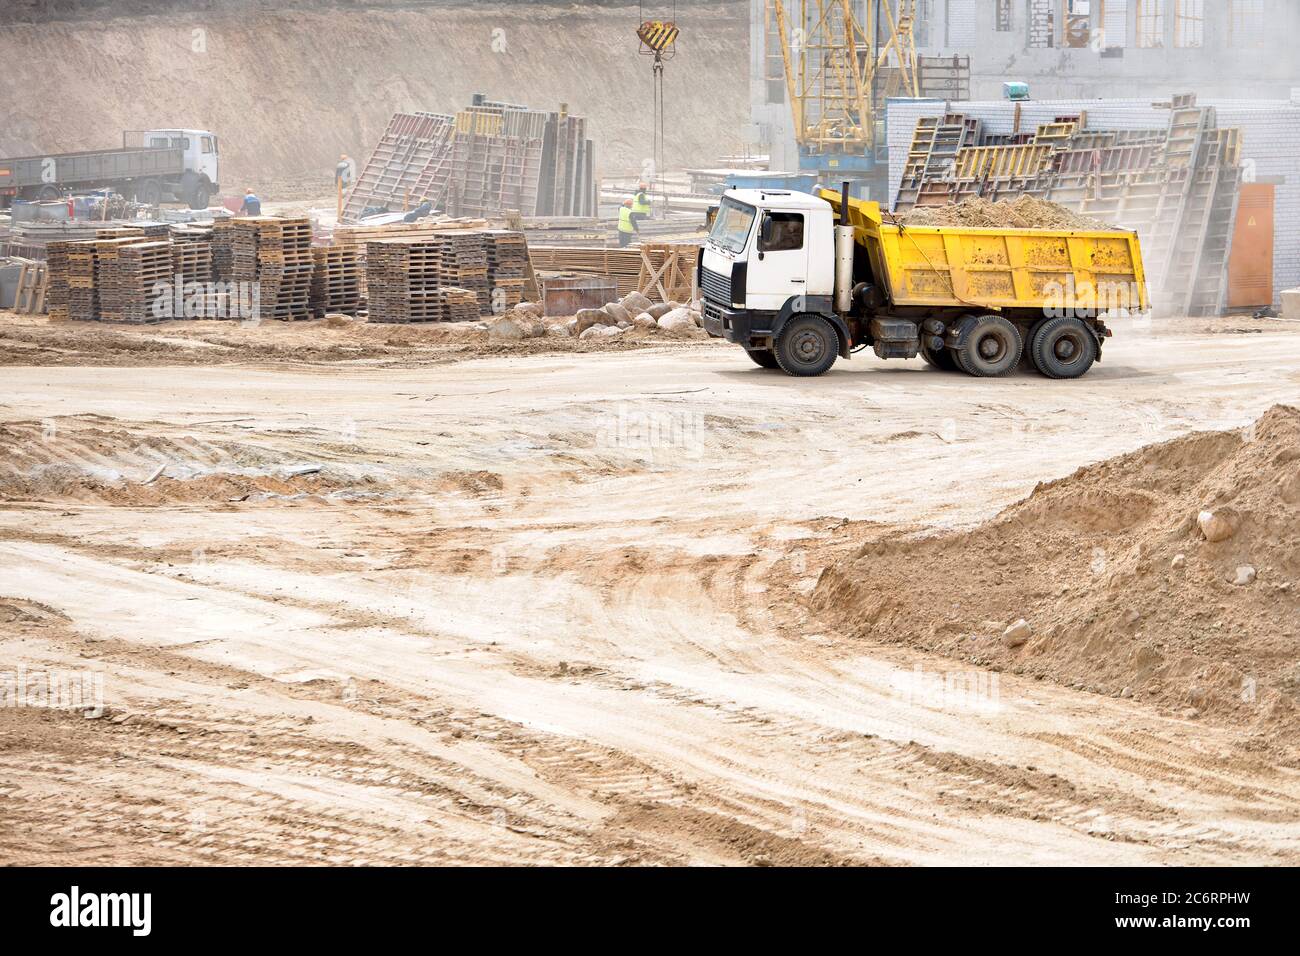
[{"x": 153, "y": 166}]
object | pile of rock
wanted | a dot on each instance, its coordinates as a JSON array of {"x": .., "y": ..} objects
[{"x": 634, "y": 312}]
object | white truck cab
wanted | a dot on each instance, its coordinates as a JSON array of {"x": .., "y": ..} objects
[
  {"x": 200, "y": 146},
  {"x": 770, "y": 255}
]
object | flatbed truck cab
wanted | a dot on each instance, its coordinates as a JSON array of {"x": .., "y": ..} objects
[{"x": 800, "y": 280}]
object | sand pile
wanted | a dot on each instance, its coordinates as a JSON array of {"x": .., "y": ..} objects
[
  {"x": 1121, "y": 591},
  {"x": 1025, "y": 212}
]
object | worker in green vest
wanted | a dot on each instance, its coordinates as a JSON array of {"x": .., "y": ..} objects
[
  {"x": 641, "y": 205},
  {"x": 626, "y": 225}
]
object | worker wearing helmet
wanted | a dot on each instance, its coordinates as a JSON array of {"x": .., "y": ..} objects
[
  {"x": 343, "y": 172},
  {"x": 626, "y": 225},
  {"x": 640, "y": 205},
  {"x": 252, "y": 206}
]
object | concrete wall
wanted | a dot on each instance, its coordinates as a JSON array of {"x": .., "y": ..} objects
[
  {"x": 1270, "y": 146},
  {"x": 1227, "y": 64}
]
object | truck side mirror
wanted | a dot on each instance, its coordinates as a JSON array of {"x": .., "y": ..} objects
[{"x": 765, "y": 228}]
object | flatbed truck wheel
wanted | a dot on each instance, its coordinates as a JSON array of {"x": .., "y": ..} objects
[
  {"x": 807, "y": 346},
  {"x": 1063, "y": 348},
  {"x": 990, "y": 347},
  {"x": 762, "y": 357}
]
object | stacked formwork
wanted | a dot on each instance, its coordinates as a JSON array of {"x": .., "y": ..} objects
[
  {"x": 336, "y": 280},
  {"x": 484, "y": 160},
  {"x": 1178, "y": 187}
]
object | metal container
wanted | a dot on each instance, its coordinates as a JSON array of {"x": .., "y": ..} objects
[{"x": 564, "y": 293}]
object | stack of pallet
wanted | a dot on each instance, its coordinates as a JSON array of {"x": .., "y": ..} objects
[
  {"x": 404, "y": 277},
  {"x": 276, "y": 254},
  {"x": 131, "y": 277},
  {"x": 459, "y": 305},
  {"x": 507, "y": 256},
  {"x": 1178, "y": 187},
  {"x": 465, "y": 265},
  {"x": 336, "y": 280},
  {"x": 56, "y": 293},
  {"x": 192, "y": 256},
  {"x": 223, "y": 250}
]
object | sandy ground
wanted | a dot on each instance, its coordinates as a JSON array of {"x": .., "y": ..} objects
[{"x": 552, "y": 609}]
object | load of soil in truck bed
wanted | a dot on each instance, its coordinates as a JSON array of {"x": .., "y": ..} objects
[{"x": 1024, "y": 212}]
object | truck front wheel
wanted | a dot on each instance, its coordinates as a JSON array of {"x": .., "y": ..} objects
[
  {"x": 200, "y": 195},
  {"x": 807, "y": 346},
  {"x": 1063, "y": 348}
]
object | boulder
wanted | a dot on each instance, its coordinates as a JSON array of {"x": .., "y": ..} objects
[
  {"x": 1245, "y": 576},
  {"x": 645, "y": 321},
  {"x": 635, "y": 302},
  {"x": 678, "y": 320},
  {"x": 1017, "y": 634},
  {"x": 560, "y": 331},
  {"x": 586, "y": 318},
  {"x": 508, "y": 328},
  {"x": 530, "y": 307},
  {"x": 598, "y": 332},
  {"x": 337, "y": 320},
  {"x": 660, "y": 310},
  {"x": 1216, "y": 526},
  {"x": 617, "y": 313}
]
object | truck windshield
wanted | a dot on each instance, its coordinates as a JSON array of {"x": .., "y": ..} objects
[{"x": 731, "y": 227}]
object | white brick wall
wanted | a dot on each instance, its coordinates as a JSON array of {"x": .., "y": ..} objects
[
  {"x": 1270, "y": 138},
  {"x": 961, "y": 24}
]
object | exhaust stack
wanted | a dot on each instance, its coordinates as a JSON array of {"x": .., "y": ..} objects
[{"x": 844, "y": 256}]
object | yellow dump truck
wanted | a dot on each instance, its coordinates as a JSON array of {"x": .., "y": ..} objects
[{"x": 799, "y": 280}]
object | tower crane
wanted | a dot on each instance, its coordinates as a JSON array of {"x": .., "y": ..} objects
[{"x": 842, "y": 59}]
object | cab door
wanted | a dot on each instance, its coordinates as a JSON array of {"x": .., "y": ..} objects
[{"x": 778, "y": 269}]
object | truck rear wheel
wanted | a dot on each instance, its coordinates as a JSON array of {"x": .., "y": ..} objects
[
  {"x": 762, "y": 357},
  {"x": 1063, "y": 348},
  {"x": 988, "y": 347},
  {"x": 149, "y": 192},
  {"x": 807, "y": 346},
  {"x": 942, "y": 359}
]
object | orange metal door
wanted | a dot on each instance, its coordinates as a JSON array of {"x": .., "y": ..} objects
[{"x": 1250, "y": 267}]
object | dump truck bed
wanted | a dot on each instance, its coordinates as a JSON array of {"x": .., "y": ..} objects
[{"x": 961, "y": 267}]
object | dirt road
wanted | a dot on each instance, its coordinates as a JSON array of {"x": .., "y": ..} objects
[{"x": 549, "y": 609}]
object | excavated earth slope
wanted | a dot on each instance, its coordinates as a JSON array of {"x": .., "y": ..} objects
[{"x": 290, "y": 86}]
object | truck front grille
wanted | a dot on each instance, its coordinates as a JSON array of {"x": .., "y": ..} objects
[{"x": 716, "y": 288}]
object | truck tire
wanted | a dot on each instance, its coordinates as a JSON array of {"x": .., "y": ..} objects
[
  {"x": 200, "y": 196},
  {"x": 988, "y": 347},
  {"x": 1063, "y": 348},
  {"x": 942, "y": 359},
  {"x": 49, "y": 193},
  {"x": 807, "y": 346},
  {"x": 765, "y": 358}
]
